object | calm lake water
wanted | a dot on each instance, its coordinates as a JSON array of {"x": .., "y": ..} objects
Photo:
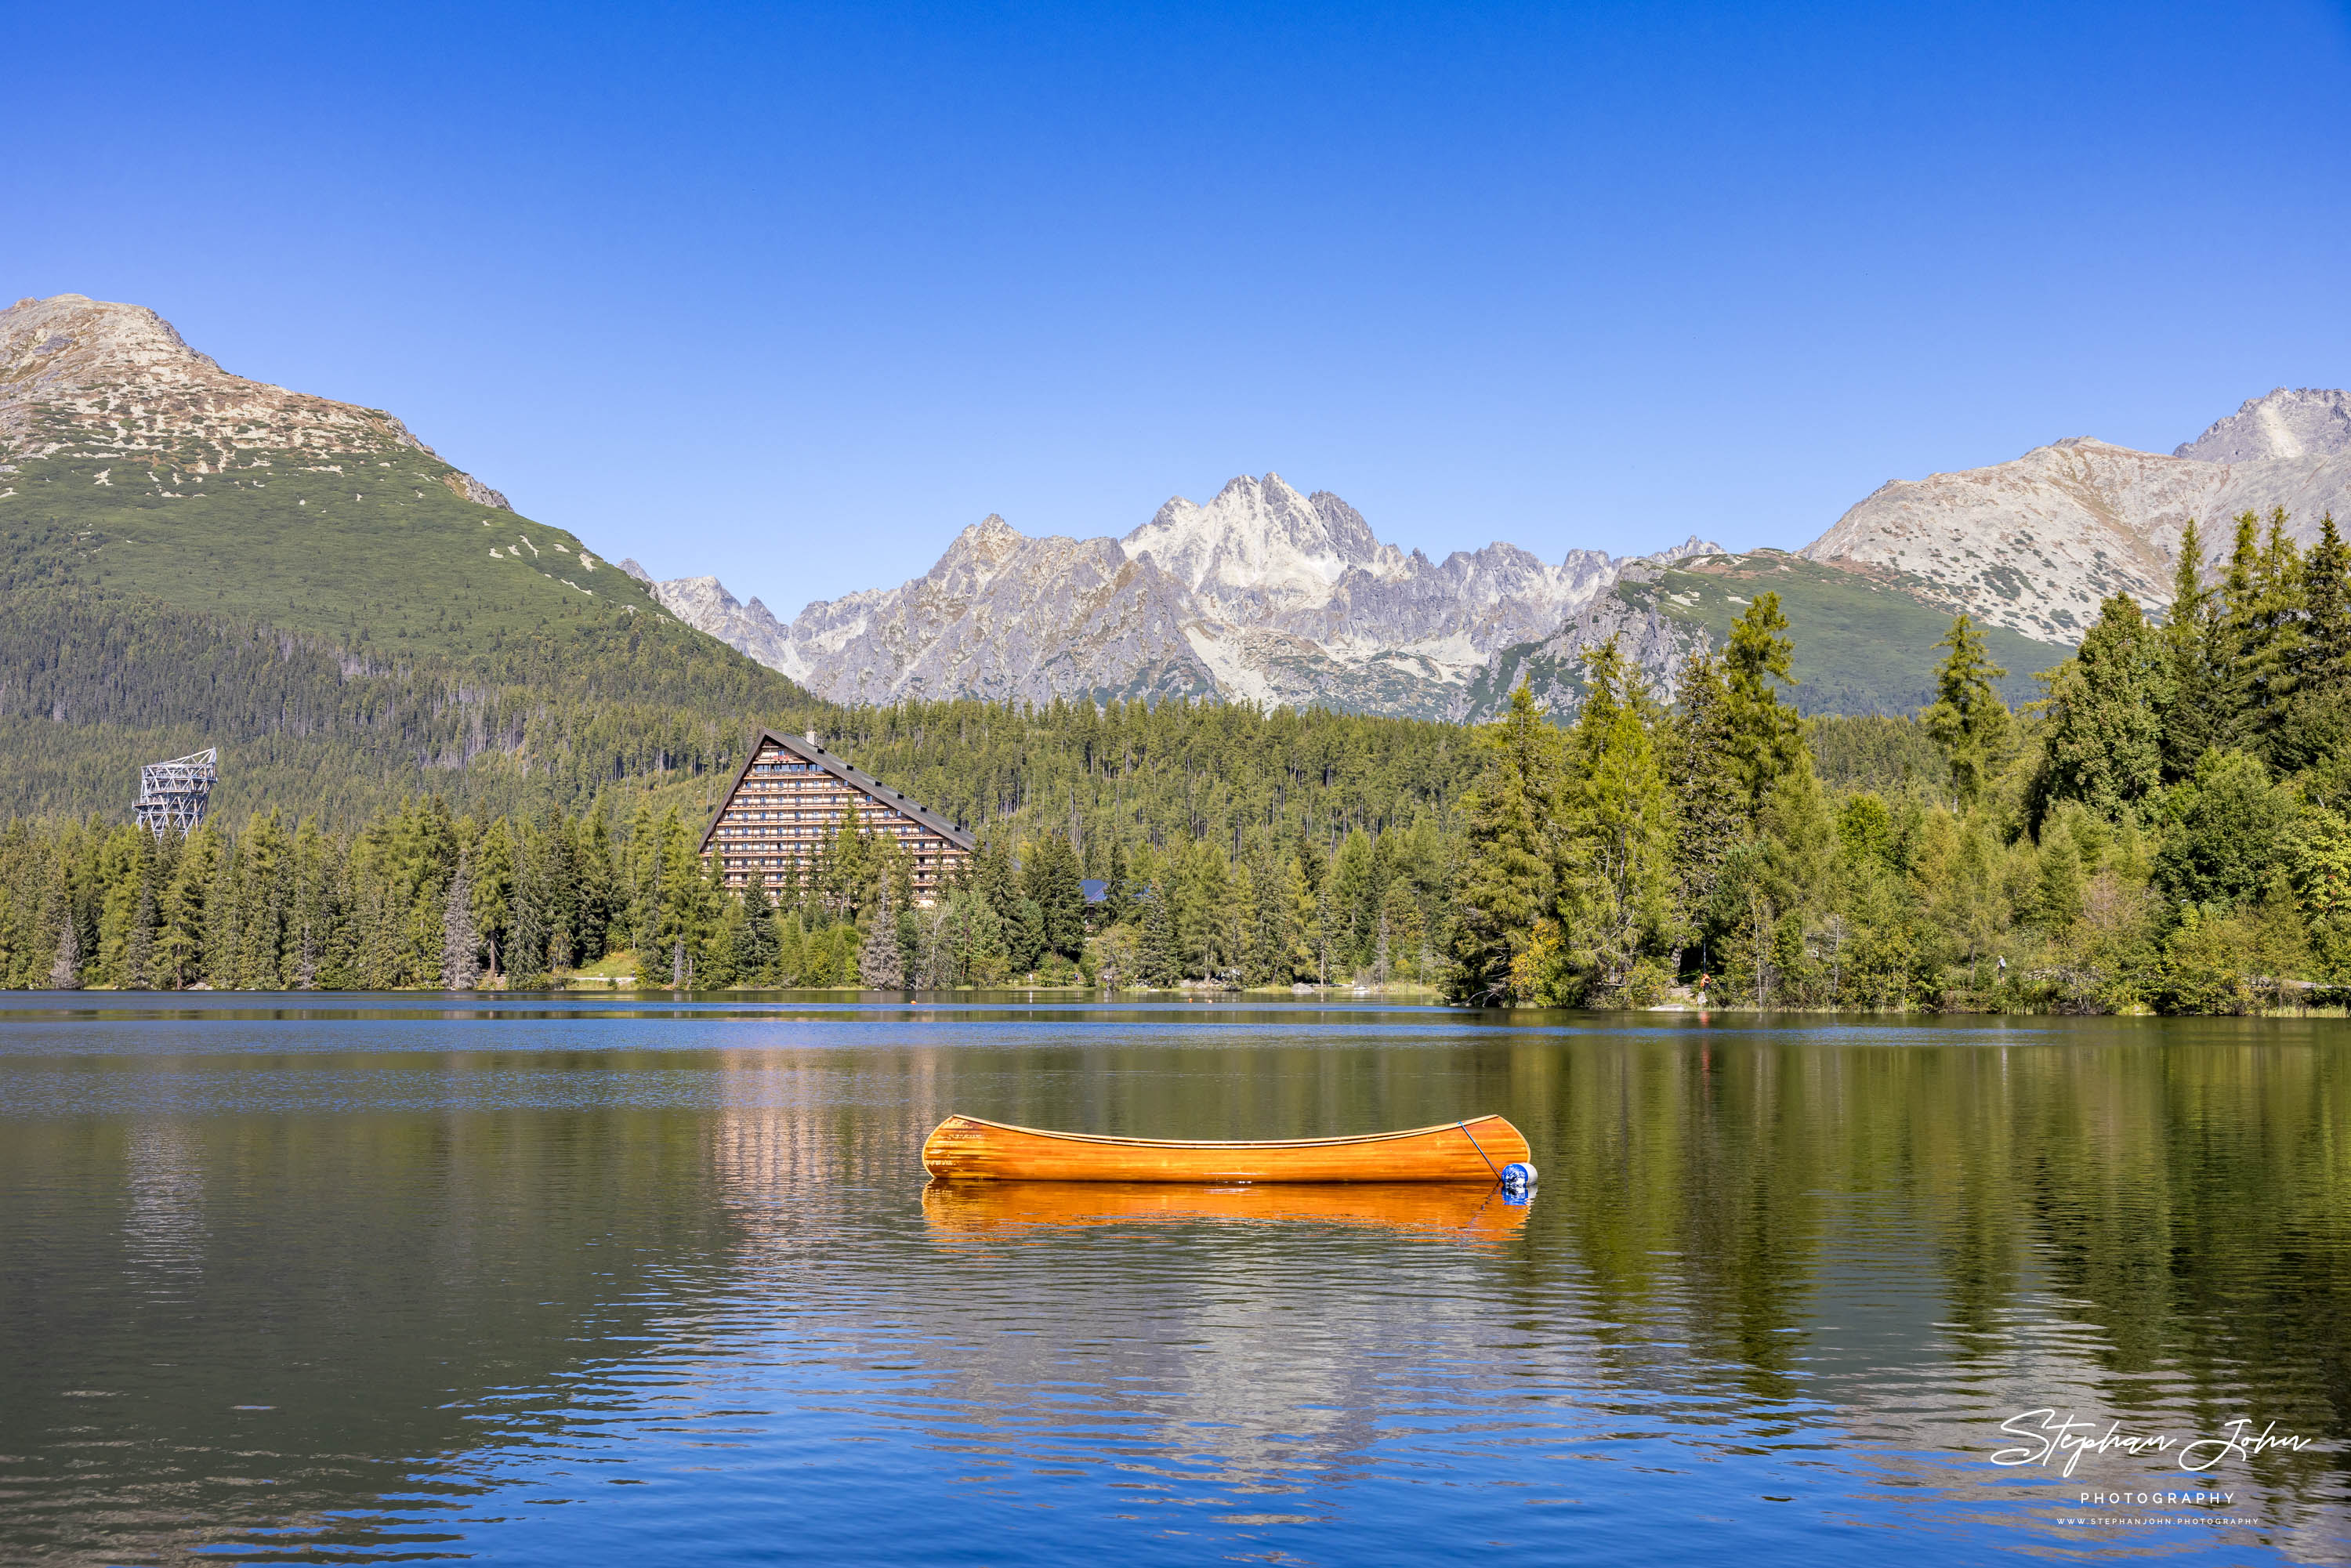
[{"x": 359, "y": 1279}]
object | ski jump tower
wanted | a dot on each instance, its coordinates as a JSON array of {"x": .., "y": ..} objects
[{"x": 173, "y": 794}]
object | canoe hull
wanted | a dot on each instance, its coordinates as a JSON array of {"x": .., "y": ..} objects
[{"x": 966, "y": 1148}]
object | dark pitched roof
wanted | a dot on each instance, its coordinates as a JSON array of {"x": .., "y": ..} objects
[{"x": 809, "y": 751}]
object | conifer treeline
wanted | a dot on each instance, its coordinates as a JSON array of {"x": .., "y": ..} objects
[{"x": 2170, "y": 829}]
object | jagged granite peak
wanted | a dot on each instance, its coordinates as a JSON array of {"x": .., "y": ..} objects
[
  {"x": 1258, "y": 545},
  {"x": 703, "y": 603},
  {"x": 2299, "y": 421},
  {"x": 92, "y": 377},
  {"x": 1263, "y": 594}
]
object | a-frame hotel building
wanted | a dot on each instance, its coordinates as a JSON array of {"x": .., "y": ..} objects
[{"x": 790, "y": 795}]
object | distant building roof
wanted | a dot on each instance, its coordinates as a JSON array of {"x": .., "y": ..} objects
[
  {"x": 1096, "y": 890},
  {"x": 809, "y": 751}
]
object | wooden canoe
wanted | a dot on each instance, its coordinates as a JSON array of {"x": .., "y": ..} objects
[
  {"x": 1447, "y": 1210},
  {"x": 966, "y": 1148}
]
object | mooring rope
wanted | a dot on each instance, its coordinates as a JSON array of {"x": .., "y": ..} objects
[{"x": 1479, "y": 1148}]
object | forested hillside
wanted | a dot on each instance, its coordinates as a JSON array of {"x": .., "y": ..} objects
[{"x": 2168, "y": 830}]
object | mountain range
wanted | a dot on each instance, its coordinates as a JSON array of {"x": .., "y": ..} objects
[
  {"x": 150, "y": 501},
  {"x": 1262, "y": 594},
  {"x": 1266, "y": 595}
]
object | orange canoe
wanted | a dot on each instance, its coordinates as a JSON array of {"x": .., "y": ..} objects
[
  {"x": 1451, "y": 1210},
  {"x": 964, "y": 1148}
]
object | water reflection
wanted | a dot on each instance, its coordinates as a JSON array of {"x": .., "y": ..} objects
[
  {"x": 1451, "y": 1213},
  {"x": 579, "y": 1283}
]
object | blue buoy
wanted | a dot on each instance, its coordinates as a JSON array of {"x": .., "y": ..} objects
[{"x": 1518, "y": 1177}]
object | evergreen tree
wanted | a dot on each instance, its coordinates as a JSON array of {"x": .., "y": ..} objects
[
  {"x": 527, "y": 937},
  {"x": 756, "y": 962},
  {"x": 2192, "y": 720},
  {"x": 1967, "y": 719},
  {"x": 139, "y": 968},
  {"x": 1506, "y": 879},
  {"x": 493, "y": 894},
  {"x": 2318, "y": 718},
  {"x": 601, "y": 906},
  {"x": 64, "y": 969},
  {"x": 1118, "y": 888},
  {"x": 2103, "y": 742},
  {"x": 1616, "y": 874},
  {"x": 1160, "y": 960},
  {"x": 2273, "y": 644},
  {"x": 881, "y": 962},
  {"x": 995, "y": 880},
  {"x": 181, "y": 938},
  {"x": 721, "y": 961},
  {"x": 1765, "y": 735},
  {"x": 2235, "y": 635},
  {"x": 1024, "y": 935},
  {"x": 2327, "y": 603},
  {"x": 1048, "y": 876},
  {"x": 460, "y": 945},
  {"x": 791, "y": 947},
  {"x": 1710, "y": 804}
]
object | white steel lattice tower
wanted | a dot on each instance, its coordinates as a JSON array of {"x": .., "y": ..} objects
[{"x": 173, "y": 794}]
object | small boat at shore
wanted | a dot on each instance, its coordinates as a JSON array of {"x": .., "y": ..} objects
[
  {"x": 1453, "y": 1212},
  {"x": 1480, "y": 1149}
]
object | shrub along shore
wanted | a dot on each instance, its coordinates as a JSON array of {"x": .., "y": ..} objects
[{"x": 2167, "y": 829}]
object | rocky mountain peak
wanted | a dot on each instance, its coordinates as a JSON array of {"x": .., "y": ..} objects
[
  {"x": 73, "y": 340},
  {"x": 2301, "y": 421},
  {"x": 976, "y": 555},
  {"x": 105, "y": 380},
  {"x": 1259, "y": 541}
]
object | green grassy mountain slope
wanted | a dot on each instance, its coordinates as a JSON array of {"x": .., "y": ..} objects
[
  {"x": 376, "y": 555},
  {"x": 1864, "y": 641},
  {"x": 191, "y": 558}
]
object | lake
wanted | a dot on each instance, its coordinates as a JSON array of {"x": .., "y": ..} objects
[{"x": 402, "y": 1278}]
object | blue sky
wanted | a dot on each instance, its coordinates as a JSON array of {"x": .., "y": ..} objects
[{"x": 792, "y": 294}]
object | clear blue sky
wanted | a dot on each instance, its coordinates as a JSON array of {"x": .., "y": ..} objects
[{"x": 792, "y": 294}]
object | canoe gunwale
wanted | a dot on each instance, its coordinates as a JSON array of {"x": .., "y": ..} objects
[{"x": 1468, "y": 1123}]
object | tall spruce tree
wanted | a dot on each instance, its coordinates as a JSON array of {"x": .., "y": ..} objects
[
  {"x": 1967, "y": 718},
  {"x": 1710, "y": 804},
  {"x": 2193, "y": 718},
  {"x": 460, "y": 945},
  {"x": 881, "y": 962},
  {"x": 1508, "y": 874},
  {"x": 1160, "y": 959},
  {"x": 2102, "y": 741},
  {"x": 1048, "y": 876},
  {"x": 1766, "y": 735},
  {"x": 1616, "y": 876}
]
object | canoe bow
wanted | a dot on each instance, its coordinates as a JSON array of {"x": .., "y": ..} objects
[{"x": 970, "y": 1148}]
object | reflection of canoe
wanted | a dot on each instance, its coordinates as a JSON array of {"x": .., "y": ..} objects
[
  {"x": 976, "y": 1207},
  {"x": 964, "y": 1148}
]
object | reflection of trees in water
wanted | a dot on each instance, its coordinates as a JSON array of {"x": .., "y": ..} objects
[
  {"x": 2148, "y": 1219},
  {"x": 372, "y": 1280}
]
